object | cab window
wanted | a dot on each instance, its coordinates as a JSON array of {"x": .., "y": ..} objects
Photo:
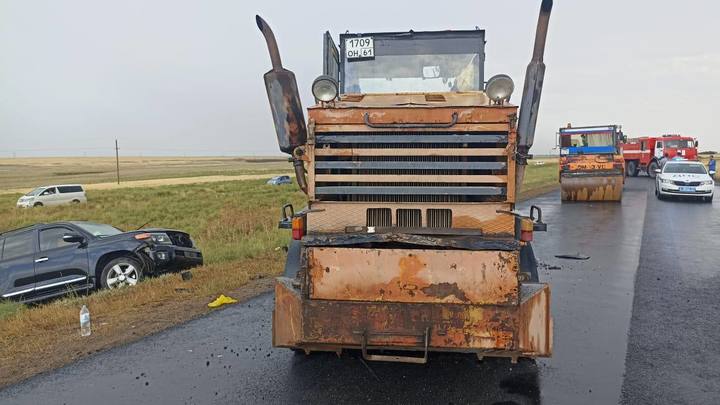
[
  {"x": 49, "y": 191},
  {"x": 412, "y": 62}
]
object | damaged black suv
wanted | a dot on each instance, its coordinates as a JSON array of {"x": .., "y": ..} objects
[{"x": 47, "y": 260}]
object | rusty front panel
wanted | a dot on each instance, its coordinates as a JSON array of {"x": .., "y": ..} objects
[
  {"x": 478, "y": 126},
  {"x": 333, "y": 217},
  {"x": 452, "y": 326},
  {"x": 287, "y": 314},
  {"x": 401, "y": 115},
  {"x": 535, "y": 329},
  {"x": 402, "y": 275}
]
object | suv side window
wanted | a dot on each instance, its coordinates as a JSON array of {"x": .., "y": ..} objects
[
  {"x": 70, "y": 189},
  {"x": 52, "y": 238},
  {"x": 17, "y": 245}
]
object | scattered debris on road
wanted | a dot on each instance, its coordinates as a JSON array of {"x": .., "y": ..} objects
[
  {"x": 576, "y": 256},
  {"x": 222, "y": 300}
]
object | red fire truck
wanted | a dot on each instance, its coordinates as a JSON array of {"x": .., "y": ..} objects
[{"x": 644, "y": 153}]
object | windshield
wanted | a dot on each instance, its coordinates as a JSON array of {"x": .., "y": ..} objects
[
  {"x": 36, "y": 191},
  {"x": 680, "y": 144},
  {"x": 580, "y": 140},
  {"x": 413, "y": 62},
  {"x": 99, "y": 230},
  {"x": 684, "y": 168}
]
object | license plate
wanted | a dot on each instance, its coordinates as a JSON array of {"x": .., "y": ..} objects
[
  {"x": 687, "y": 189},
  {"x": 359, "y": 48}
]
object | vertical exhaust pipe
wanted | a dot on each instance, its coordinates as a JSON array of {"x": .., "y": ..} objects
[
  {"x": 285, "y": 104},
  {"x": 532, "y": 90}
]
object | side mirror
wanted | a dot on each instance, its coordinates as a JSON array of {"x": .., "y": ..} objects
[
  {"x": 712, "y": 172},
  {"x": 696, "y": 144},
  {"x": 658, "y": 171},
  {"x": 73, "y": 238}
]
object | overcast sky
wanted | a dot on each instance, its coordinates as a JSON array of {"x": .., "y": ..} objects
[{"x": 176, "y": 77}]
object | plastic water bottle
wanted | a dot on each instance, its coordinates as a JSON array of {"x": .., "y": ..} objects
[{"x": 84, "y": 321}]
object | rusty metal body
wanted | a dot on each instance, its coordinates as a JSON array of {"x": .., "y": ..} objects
[
  {"x": 410, "y": 240},
  {"x": 591, "y": 166},
  {"x": 374, "y": 276}
]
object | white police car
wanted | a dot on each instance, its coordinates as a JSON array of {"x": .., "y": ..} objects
[{"x": 684, "y": 178}]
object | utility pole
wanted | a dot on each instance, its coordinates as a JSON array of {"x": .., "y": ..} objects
[{"x": 117, "y": 161}]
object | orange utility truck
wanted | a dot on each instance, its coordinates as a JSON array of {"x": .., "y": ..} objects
[{"x": 411, "y": 162}]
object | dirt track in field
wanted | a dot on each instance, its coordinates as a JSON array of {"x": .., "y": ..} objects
[{"x": 163, "y": 182}]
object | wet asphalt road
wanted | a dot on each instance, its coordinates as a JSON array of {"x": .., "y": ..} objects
[{"x": 637, "y": 323}]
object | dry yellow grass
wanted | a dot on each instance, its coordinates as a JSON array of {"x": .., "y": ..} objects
[
  {"x": 163, "y": 182},
  {"x": 26, "y": 173}
]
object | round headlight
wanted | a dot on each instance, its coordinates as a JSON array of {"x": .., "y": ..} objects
[
  {"x": 325, "y": 88},
  {"x": 499, "y": 88}
]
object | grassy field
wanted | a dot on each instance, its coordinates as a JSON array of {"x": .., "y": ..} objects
[
  {"x": 31, "y": 172},
  {"x": 235, "y": 224},
  {"x": 229, "y": 220}
]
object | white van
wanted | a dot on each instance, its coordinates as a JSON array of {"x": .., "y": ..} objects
[{"x": 53, "y": 195}]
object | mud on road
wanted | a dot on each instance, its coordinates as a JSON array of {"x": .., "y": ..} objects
[{"x": 616, "y": 339}]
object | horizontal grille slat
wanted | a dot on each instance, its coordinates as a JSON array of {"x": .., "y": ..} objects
[
  {"x": 410, "y": 165},
  {"x": 412, "y": 138},
  {"x": 410, "y": 190}
]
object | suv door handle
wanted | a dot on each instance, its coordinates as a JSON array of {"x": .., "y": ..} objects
[{"x": 40, "y": 260}]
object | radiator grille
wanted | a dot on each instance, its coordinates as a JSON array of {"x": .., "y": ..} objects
[
  {"x": 411, "y": 167},
  {"x": 408, "y": 218},
  {"x": 379, "y": 217},
  {"x": 439, "y": 218}
]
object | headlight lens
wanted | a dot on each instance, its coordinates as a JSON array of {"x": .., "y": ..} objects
[
  {"x": 325, "y": 88},
  {"x": 666, "y": 181},
  {"x": 499, "y": 88},
  {"x": 161, "y": 238},
  {"x": 708, "y": 183}
]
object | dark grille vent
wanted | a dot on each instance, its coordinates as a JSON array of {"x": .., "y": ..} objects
[
  {"x": 439, "y": 218},
  {"x": 687, "y": 183},
  {"x": 408, "y": 218},
  {"x": 379, "y": 217}
]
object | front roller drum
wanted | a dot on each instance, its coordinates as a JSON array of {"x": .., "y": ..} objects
[{"x": 591, "y": 188}]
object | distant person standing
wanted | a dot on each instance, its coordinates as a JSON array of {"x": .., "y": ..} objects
[
  {"x": 712, "y": 164},
  {"x": 663, "y": 160}
]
